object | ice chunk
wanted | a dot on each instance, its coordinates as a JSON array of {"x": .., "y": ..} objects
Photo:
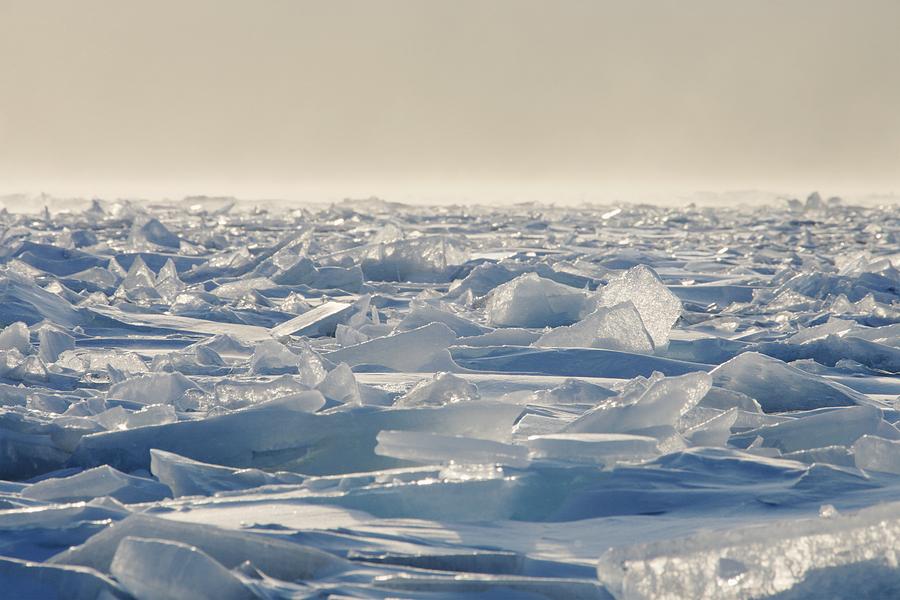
[
  {"x": 147, "y": 234},
  {"x": 154, "y": 388},
  {"x": 277, "y": 558},
  {"x": 150, "y": 568},
  {"x": 873, "y": 453},
  {"x": 851, "y": 556},
  {"x": 841, "y": 426},
  {"x": 658, "y": 307},
  {"x": 341, "y": 386},
  {"x": 594, "y": 448},
  {"x": 663, "y": 402},
  {"x": 320, "y": 321},
  {"x": 273, "y": 358},
  {"x": 186, "y": 477},
  {"x": 33, "y": 580},
  {"x": 52, "y": 342},
  {"x": 337, "y": 442},
  {"x": 16, "y": 336},
  {"x": 23, "y": 300},
  {"x": 100, "y": 481},
  {"x": 427, "y": 258},
  {"x": 443, "y": 388},
  {"x": 240, "y": 394},
  {"x": 615, "y": 328},
  {"x": 422, "y": 314},
  {"x": 414, "y": 351},
  {"x": 713, "y": 432},
  {"x": 152, "y": 414},
  {"x": 431, "y": 448},
  {"x": 532, "y": 301},
  {"x": 574, "y": 391},
  {"x": 779, "y": 387}
]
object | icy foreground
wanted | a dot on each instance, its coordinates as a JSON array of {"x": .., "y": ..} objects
[{"x": 367, "y": 400}]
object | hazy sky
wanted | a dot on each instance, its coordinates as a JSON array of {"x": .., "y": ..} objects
[{"x": 286, "y": 98}]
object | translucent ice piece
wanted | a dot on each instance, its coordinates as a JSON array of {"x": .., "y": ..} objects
[
  {"x": 186, "y": 477},
  {"x": 532, "y": 301},
  {"x": 16, "y": 336},
  {"x": 877, "y": 454},
  {"x": 412, "y": 351},
  {"x": 100, "y": 481},
  {"x": 851, "y": 556},
  {"x": 443, "y": 388},
  {"x": 615, "y": 328},
  {"x": 663, "y": 402},
  {"x": 658, "y": 306},
  {"x": 341, "y": 386},
  {"x": 150, "y": 568},
  {"x": 431, "y": 448},
  {"x": 594, "y": 448},
  {"x": 153, "y": 388},
  {"x": 52, "y": 342},
  {"x": 779, "y": 387}
]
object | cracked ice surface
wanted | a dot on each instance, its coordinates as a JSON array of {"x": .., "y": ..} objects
[{"x": 368, "y": 400}]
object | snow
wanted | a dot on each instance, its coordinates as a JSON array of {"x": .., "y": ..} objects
[{"x": 215, "y": 399}]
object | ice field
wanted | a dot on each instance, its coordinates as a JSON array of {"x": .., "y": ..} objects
[{"x": 208, "y": 399}]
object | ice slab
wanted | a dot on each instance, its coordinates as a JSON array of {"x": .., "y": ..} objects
[
  {"x": 186, "y": 477},
  {"x": 321, "y": 320},
  {"x": 593, "y": 448},
  {"x": 414, "y": 350},
  {"x": 443, "y": 388},
  {"x": 150, "y": 568},
  {"x": 663, "y": 402},
  {"x": 873, "y": 453},
  {"x": 658, "y": 307},
  {"x": 779, "y": 387},
  {"x": 432, "y": 448},
  {"x": 850, "y": 556},
  {"x": 275, "y": 557},
  {"x": 25, "y": 579},
  {"x": 97, "y": 482},
  {"x": 532, "y": 301},
  {"x": 618, "y": 327}
]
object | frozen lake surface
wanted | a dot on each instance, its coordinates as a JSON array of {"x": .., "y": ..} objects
[{"x": 368, "y": 400}]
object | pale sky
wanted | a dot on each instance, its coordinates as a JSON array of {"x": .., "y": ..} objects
[{"x": 399, "y": 98}]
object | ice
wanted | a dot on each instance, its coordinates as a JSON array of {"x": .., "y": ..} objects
[
  {"x": 273, "y": 358},
  {"x": 849, "y": 556},
  {"x": 593, "y": 448},
  {"x": 532, "y": 301},
  {"x": 443, "y": 388},
  {"x": 660, "y": 405},
  {"x": 148, "y": 234},
  {"x": 368, "y": 399},
  {"x": 277, "y": 558},
  {"x": 153, "y": 388},
  {"x": 416, "y": 350},
  {"x": 834, "y": 427},
  {"x": 779, "y": 387},
  {"x": 96, "y": 482},
  {"x": 149, "y": 568},
  {"x": 657, "y": 306},
  {"x": 322, "y": 320},
  {"x": 873, "y": 453},
  {"x": 618, "y": 327},
  {"x": 341, "y": 386},
  {"x": 24, "y": 579},
  {"x": 186, "y": 477},
  {"x": 431, "y": 448},
  {"x": 16, "y": 336},
  {"x": 52, "y": 342}
]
